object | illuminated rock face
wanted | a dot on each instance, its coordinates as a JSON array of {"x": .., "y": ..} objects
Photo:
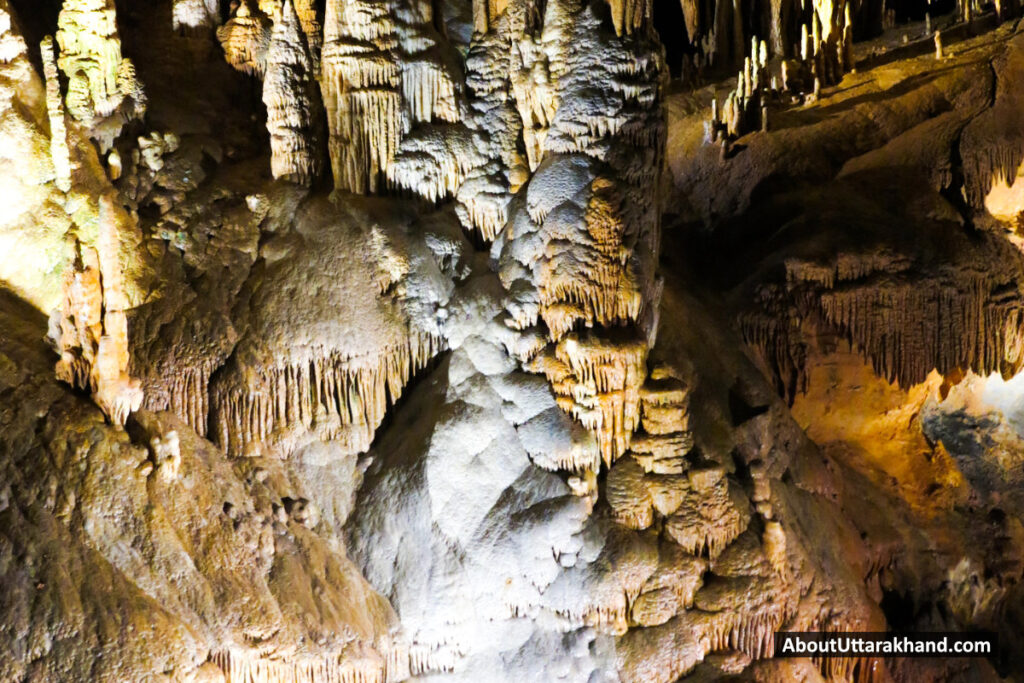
[
  {"x": 100, "y": 79},
  {"x": 293, "y": 114},
  {"x": 193, "y": 15},
  {"x": 93, "y": 338},
  {"x": 245, "y": 39},
  {"x": 434, "y": 340}
]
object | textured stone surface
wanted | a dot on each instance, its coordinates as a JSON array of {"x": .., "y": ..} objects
[{"x": 378, "y": 340}]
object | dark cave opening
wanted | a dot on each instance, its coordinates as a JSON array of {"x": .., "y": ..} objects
[
  {"x": 915, "y": 10},
  {"x": 671, "y": 27}
]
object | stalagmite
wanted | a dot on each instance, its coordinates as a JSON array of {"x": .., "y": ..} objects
[
  {"x": 293, "y": 113},
  {"x": 775, "y": 545},
  {"x": 166, "y": 453},
  {"x": 662, "y": 444},
  {"x": 938, "y": 45},
  {"x": 55, "y": 108},
  {"x": 93, "y": 338}
]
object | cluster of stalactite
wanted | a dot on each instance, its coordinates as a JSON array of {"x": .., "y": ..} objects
[
  {"x": 185, "y": 391},
  {"x": 385, "y": 71},
  {"x": 597, "y": 379},
  {"x": 582, "y": 278},
  {"x": 239, "y": 667},
  {"x": 382, "y": 70},
  {"x": 340, "y": 397},
  {"x": 362, "y": 92},
  {"x": 904, "y": 328},
  {"x": 93, "y": 328},
  {"x": 100, "y": 81},
  {"x": 388, "y": 662}
]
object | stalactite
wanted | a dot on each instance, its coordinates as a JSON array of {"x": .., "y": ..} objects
[
  {"x": 93, "y": 340},
  {"x": 597, "y": 379},
  {"x": 750, "y": 632},
  {"x": 535, "y": 96},
  {"x": 59, "y": 152},
  {"x": 99, "y": 79},
  {"x": 627, "y": 495},
  {"x": 292, "y": 105},
  {"x": 989, "y": 158},
  {"x": 588, "y": 282},
  {"x": 311, "y": 29},
  {"x": 345, "y": 398},
  {"x": 245, "y": 39},
  {"x": 711, "y": 514},
  {"x": 361, "y": 83},
  {"x": 189, "y": 16},
  {"x": 433, "y": 164},
  {"x": 428, "y": 92},
  {"x": 183, "y": 389}
]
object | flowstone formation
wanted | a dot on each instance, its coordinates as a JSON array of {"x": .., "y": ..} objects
[
  {"x": 93, "y": 336},
  {"x": 380, "y": 340}
]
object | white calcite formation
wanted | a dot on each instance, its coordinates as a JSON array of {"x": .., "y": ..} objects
[{"x": 579, "y": 247}]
